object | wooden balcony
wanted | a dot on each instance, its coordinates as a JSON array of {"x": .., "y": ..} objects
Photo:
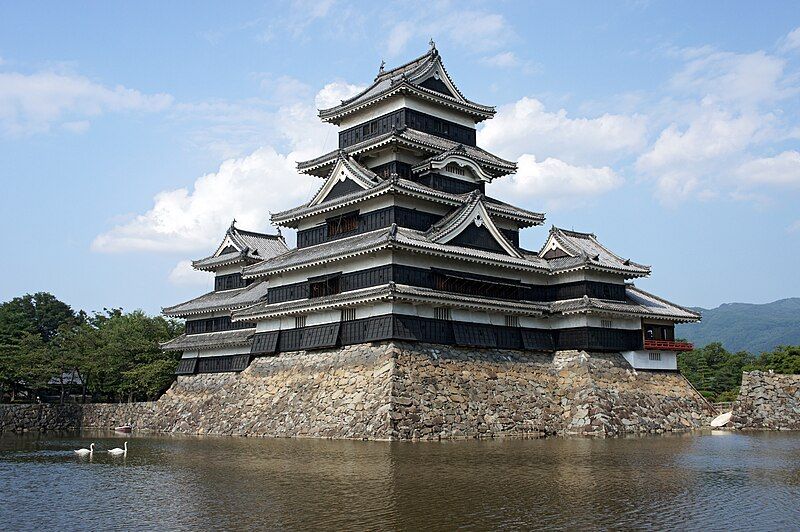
[{"x": 668, "y": 345}]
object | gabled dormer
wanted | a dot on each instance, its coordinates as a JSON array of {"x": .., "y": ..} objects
[
  {"x": 346, "y": 177},
  {"x": 472, "y": 226},
  {"x": 240, "y": 248},
  {"x": 572, "y": 250}
]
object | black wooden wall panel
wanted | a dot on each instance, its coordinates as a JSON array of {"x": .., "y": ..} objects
[
  {"x": 222, "y": 323},
  {"x": 186, "y": 366},
  {"x": 265, "y": 343},
  {"x": 413, "y": 119},
  {"x": 474, "y": 334},
  {"x": 478, "y": 238}
]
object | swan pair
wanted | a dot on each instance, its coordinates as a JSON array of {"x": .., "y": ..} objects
[{"x": 114, "y": 452}]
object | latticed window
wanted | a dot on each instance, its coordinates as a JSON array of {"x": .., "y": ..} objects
[
  {"x": 324, "y": 287},
  {"x": 655, "y": 356},
  {"x": 299, "y": 321},
  {"x": 606, "y": 323},
  {"x": 348, "y": 314},
  {"x": 342, "y": 224},
  {"x": 441, "y": 313},
  {"x": 512, "y": 321}
]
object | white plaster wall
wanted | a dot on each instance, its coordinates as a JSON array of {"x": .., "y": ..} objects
[
  {"x": 360, "y": 262},
  {"x": 221, "y": 351},
  {"x": 616, "y": 322},
  {"x": 398, "y": 102},
  {"x": 225, "y": 270},
  {"x": 641, "y": 360}
]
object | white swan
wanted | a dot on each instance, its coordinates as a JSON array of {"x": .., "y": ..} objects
[
  {"x": 117, "y": 451},
  {"x": 84, "y": 452}
]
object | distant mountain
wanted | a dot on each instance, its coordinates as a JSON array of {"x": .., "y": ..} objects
[{"x": 746, "y": 327}]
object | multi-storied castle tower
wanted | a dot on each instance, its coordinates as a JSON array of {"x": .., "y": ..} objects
[{"x": 401, "y": 242}]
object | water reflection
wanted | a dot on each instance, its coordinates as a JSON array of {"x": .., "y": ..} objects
[{"x": 708, "y": 480}]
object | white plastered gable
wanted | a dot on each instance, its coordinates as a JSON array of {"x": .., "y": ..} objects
[{"x": 553, "y": 244}]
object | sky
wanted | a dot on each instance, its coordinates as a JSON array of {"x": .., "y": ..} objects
[{"x": 131, "y": 134}]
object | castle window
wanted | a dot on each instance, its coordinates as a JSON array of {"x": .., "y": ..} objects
[
  {"x": 512, "y": 321},
  {"x": 441, "y": 313},
  {"x": 342, "y": 224},
  {"x": 299, "y": 321},
  {"x": 606, "y": 324},
  {"x": 324, "y": 286},
  {"x": 655, "y": 356},
  {"x": 365, "y": 130},
  {"x": 348, "y": 314}
]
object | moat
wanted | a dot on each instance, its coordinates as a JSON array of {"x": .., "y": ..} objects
[{"x": 703, "y": 479}]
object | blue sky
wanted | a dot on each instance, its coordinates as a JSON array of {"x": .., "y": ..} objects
[{"x": 130, "y": 135}]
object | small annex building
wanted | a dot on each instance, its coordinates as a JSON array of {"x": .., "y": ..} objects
[{"x": 402, "y": 242}]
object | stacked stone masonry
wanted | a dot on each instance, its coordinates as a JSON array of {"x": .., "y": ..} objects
[
  {"x": 768, "y": 401},
  {"x": 403, "y": 391}
]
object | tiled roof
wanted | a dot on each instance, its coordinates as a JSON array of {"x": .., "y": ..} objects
[
  {"x": 586, "y": 251},
  {"x": 249, "y": 245},
  {"x": 408, "y": 188},
  {"x": 638, "y": 303},
  {"x": 414, "y": 139},
  {"x": 191, "y": 342},
  {"x": 224, "y": 300},
  {"x": 389, "y": 291},
  {"x": 408, "y": 77}
]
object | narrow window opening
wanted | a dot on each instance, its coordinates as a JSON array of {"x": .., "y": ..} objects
[
  {"x": 441, "y": 313},
  {"x": 512, "y": 321},
  {"x": 348, "y": 314},
  {"x": 655, "y": 356},
  {"x": 299, "y": 321},
  {"x": 607, "y": 324}
]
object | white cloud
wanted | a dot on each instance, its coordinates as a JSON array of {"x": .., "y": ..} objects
[
  {"x": 724, "y": 76},
  {"x": 246, "y": 188},
  {"x": 555, "y": 182},
  {"x": 184, "y": 274},
  {"x": 526, "y": 127},
  {"x": 189, "y": 220},
  {"x": 33, "y": 103},
  {"x": 333, "y": 93},
  {"x": 781, "y": 170},
  {"x": 794, "y": 227},
  {"x": 792, "y": 41}
]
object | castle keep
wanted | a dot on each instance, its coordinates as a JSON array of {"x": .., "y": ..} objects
[
  {"x": 402, "y": 246},
  {"x": 401, "y": 242}
]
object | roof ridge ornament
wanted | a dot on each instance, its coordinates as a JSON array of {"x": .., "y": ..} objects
[
  {"x": 381, "y": 69},
  {"x": 432, "y": 45}
]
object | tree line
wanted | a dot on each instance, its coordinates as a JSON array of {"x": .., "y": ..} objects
[
  {"x": 717, "y": 373},
  {"x": 48, "y": 351}
]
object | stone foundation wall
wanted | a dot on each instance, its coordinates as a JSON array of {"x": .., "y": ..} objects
[
  {"x": 40, "y": 417},
  {"x": 396, "y": 390},
  {"x": 768, "y": 401},
  {"x": 452, "y": 392}
]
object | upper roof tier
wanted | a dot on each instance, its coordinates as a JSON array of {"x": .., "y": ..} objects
[
  {"x": 240, "y": 246},
  {"x": 437, "y": 149},
  {"x": 425, "y": 78}
]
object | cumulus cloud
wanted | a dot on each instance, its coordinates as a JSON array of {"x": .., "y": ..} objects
[
  {"x": 781, "y": 170},
  {"x": 33, "y": 103},
  {"x": 246, "y": 188},
  {"x": 555, "y": 182},
  {"x": 193, "y": 219},
  {"x": 502, "y": 60},
  {"x": 526, "y": 127},
  {"x": 184, "y": 274}
]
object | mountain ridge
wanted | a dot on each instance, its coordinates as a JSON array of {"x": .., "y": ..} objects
[{"x": 753, "y": 327}]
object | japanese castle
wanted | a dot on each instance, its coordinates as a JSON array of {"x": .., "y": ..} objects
[{"x": 401, "y": 242}]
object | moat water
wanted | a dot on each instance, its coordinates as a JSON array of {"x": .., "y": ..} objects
[{"x": 702, "y": 480}]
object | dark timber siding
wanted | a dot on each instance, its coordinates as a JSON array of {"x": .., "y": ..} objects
[
  {"x": 413, "y": 119},
  {"x": 418, "y": 329},
  {"x": 222, "y": 323},
  {"x": 229, "y": 282},
  {"x": 455, "y": 282},
  {"x": 369, "y": 221}
]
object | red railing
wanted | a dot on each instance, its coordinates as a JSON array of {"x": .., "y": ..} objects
[{"x": 668, "y": 345}]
